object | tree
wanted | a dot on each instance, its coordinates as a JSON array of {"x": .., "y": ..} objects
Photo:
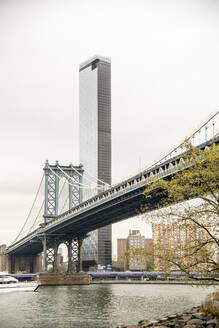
[
  {"x": 188, "y": 205},
  {"x": 140, "y": 256}
]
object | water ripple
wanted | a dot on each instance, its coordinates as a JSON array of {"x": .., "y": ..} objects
[{"x": 95, "y": 306}]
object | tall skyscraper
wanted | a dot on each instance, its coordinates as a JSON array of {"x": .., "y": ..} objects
[{"x": 95, "y": 144}]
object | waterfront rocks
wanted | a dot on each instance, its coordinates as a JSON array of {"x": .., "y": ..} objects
[
  {"x": 195, "y": 322},
  {"x": 188, "y": 319},
  {"x": 143, "y": 322}
]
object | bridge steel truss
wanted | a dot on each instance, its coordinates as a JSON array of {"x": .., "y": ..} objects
[
  {"x": 53, "y": 174},
  {"x": 51, "y": 244}
]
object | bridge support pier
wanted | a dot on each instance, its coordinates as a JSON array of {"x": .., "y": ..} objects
[
  {"x": 63, "y": 278},
  {"x": 3, "y": 258},
  {"x": 50, "y": 274},
  {"x": 44, "y": 255},
  {"x": 24, "y": 264},
  {"x": 50, "y": 253}
]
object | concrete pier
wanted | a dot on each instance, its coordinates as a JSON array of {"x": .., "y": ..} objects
[
  {"x": 25, "y": 264},
  {"x": 3, "y": 258},
  {"x": 62, "y": 278}
]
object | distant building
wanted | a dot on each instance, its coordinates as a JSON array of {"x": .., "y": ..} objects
[
  {"x": 149, "y": 246},
  {"x": 60, "y": 257},
  {"x": 121, "y": 248},
  {"x": 135, "y": 241},
  {"x": 3, "y": 258},
  {"x": 176, "y": 238}
]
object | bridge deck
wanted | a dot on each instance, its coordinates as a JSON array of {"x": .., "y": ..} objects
[{"x": 119, "y": 202}]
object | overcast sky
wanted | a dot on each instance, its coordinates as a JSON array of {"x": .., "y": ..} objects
[{"x": 165, "y": 80}]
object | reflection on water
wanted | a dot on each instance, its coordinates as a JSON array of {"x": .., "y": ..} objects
[{"x": 95, "y": 305}]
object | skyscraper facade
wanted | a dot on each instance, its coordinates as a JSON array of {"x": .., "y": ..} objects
[{"x": 95, "y": 144}]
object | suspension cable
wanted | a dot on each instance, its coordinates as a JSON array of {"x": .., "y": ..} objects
[
  {"x": 175, "y": 149},
  {"x": 41, "y": 207},
  {"x": 186, "y": 140},
  {"x": 81, "y": 185},
  {"x": 28, "y": 216},
  {"x": 92, "y": 176},
  {"x": 66, "y": 199},
  {"x": 62, "y": 188},
  {"x": 72, "y": 183},
  {"x": 81, "y": 175}
]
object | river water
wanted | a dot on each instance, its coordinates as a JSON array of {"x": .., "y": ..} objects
[{"x": 95, "y": 305}]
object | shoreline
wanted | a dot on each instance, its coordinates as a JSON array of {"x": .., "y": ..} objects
[
  {"x": 188, "y": 319},
  {"x": 151, "y": 282}
]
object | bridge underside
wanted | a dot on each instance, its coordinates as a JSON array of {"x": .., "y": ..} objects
[{"x": 109, "y": 212}]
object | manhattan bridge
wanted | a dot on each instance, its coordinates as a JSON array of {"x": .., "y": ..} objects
[{"x": 59, "y": 214}]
